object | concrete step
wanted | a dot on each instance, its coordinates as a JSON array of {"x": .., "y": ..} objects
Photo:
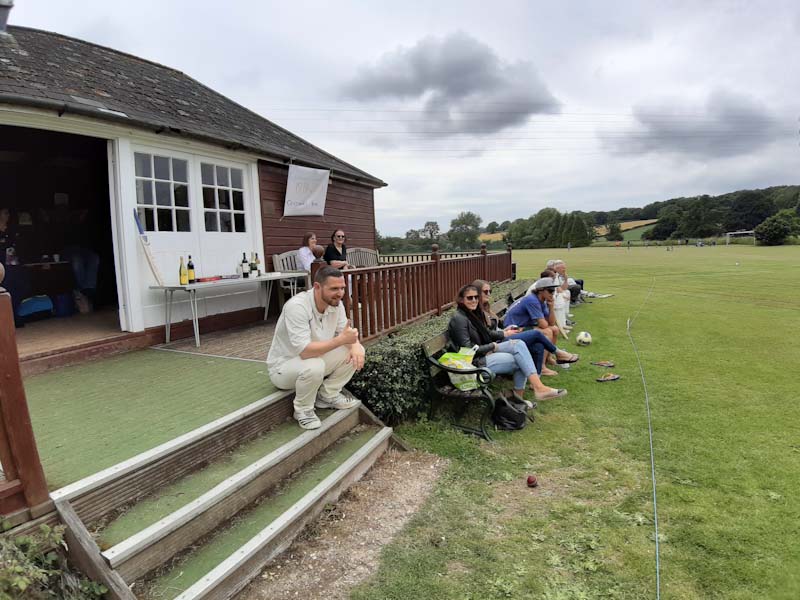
[{"x": 221, "y": 563}]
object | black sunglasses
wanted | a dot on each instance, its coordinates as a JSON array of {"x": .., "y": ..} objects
[
  {"x": 551, "y": 290},
  {"x": 487, "y": 291},
  {"x": 470, "y": 297}
]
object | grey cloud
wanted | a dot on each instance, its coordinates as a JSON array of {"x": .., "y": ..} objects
[
  {"x": 728, "y": 124},
  {"x": 461, "y": 83}
]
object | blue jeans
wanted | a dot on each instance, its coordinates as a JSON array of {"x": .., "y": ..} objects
[
  {"x": 84, "y": 266},
  {"x": 537, "y": 343},
  {"x": 512, "y": 358}
]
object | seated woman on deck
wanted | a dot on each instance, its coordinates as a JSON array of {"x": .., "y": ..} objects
[
  {"x": 536, "y": 341},
  {"x": 467, "y": 328},
  {"x": 305, "y": 255},
  {"x": 336, "y": 252}
]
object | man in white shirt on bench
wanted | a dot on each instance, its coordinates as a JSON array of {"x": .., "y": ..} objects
[{"x": 314, "y": 350}]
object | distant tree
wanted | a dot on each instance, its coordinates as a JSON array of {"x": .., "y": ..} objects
[
  {"x": 615, "y": 233},
  {"x": 413, "y": 234},
  {"x": 580, "y": 235},
  {"x": 464, "y": 230},
  {"x": 505, "y": 225},
  {"x": 492, "y": 227},
  {"x": 430, "y": 230},
  {"x": 775, "y": 229},
  {"x": 748, "y": 209}
]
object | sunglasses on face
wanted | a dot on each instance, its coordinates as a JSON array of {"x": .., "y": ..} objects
[
  {"x": 470, "y": 297},
  {"x": 340, "y": 236},
  {"x": 551, "y": 290},
  {"x": 487, "y": 292}
]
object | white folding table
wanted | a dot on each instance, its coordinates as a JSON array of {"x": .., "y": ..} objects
[{"x": 266, "y": 279}]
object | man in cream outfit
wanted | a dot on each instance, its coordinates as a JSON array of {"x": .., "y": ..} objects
[{"x": 315, "y": 351}]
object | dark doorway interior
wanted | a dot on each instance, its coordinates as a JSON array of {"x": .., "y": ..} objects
[{"x": 55, "y": 186}]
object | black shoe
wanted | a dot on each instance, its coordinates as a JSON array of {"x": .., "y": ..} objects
[{"x": 571, "y": 323}]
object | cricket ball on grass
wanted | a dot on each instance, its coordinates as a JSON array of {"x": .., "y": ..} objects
[{"x": 532, "y": 481}]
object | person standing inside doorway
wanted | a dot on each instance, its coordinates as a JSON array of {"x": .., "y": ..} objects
[{"x": 315, "y": 351}]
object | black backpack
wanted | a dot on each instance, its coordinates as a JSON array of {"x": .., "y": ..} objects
[{"x": 508, "y": 417}]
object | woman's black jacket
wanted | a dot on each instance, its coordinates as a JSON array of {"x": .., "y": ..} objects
[{"x": 462, "y": 333}]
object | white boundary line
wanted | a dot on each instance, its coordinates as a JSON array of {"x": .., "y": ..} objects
[
  {"x": 263, "y": 362},
  {"x": 650, "y": 433}
]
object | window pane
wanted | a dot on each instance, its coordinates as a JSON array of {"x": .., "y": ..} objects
[
  {"x": 207, "y": 172},
  {"x": 142, "y": 165},
  {"x": 146, "y": 218},
  {"x": 236, "y": 178},
  {"x": 238, "y": 221},
  {"x": 182, "y": 220},
  {"x": 211, "y": 221},
  {"x": 209, "y": 198},
  {"x": 238, "y": 201},
  {"x": 179, "y": 169},
  {"x": 144, "y": 191},
  {"x": 165, "y": 219},
  {"x": 181, "y": 195},
  {"x": 224, "y": 197},
  {"x": 161, "y": 167},
  {"x": 225, "y": 221},
  {"x": 222, "y": 176},
  {"x": 163, "y": 196}
]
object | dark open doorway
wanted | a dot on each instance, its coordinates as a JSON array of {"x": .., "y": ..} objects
[{"x": 60, "y": 269}]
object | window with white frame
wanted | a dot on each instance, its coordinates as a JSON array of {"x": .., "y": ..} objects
[
  {"x": 223, "y": 198},
  {"x": 162, "y": 192}
]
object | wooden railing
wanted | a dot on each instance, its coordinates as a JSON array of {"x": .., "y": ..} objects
[
  {"x": 418, "y": 257},
  {"x": 384, "y": 298},
  {"x": 23, "y": 490}
]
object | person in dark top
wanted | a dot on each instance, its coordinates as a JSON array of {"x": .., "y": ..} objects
[
  {"x": 467, "y": 329},
  {"x": 16, "y": 280},
  {"x": 336, "y": 252}
]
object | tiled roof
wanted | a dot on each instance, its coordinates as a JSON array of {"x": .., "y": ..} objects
[{"x": 49, "y": 70}]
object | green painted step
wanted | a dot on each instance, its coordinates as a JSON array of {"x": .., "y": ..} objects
[
  {"x": 220, "y": 545},
  {"x": 169, "y": 499}
]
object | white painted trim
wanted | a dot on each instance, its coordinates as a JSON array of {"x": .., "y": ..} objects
[
  {"x": 120, "y": 270},
  {"x": 206, "y": 586},
  {"x": 145, "y": 538},
  {"x": 139, "y": 461}
]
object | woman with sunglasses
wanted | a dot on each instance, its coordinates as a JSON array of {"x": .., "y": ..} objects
[
  {"x": 536, "y": 341},
  {"x": 467, "y": 328},
  {"x": 336, "y": 252}
]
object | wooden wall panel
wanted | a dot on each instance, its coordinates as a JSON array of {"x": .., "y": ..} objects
[{"x": 348, "y": 206}]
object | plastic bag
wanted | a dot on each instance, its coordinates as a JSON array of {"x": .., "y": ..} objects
[{"x": 460, "y": 360}]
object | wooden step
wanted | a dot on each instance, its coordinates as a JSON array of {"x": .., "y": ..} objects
[
  {"x": 157, "y": 543},
  {"x": 101, "y": 494},
  {"x": 227, "y": 559}
]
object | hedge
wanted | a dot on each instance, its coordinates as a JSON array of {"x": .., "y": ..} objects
[{"x": 395, "y": 378}]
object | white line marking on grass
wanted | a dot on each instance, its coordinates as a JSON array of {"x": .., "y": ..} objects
[
  {"x": 209, "y": 355},
  {"x": 650, "y": 432}
]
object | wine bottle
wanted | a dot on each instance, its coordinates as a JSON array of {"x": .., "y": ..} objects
[
  {"x": 258, "y": 264},
  {"x": 190, "y": 268},
  {"x": 183, "y": 274},
  {"x": 253, "y": 268},
  {"x": 245, "y": 266}
]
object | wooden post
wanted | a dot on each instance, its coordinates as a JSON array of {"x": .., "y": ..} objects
[
  {"x": 485, "y": 276},
  {"x": 15, "y": 418},
  {"x": 316, "y": 265},
  {"x": 437, "y": 278},
  {"x": 511, "y": 264}
]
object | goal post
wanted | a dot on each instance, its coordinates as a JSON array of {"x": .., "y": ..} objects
[{"x": 739, "y": 234}]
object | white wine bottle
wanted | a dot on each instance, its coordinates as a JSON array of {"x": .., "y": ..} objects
[
  {"x": 183, "y": 274},
  {"x": 190, "y": 268}
]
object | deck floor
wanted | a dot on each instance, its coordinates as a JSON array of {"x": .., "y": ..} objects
[{"x": 49, "y": 335}]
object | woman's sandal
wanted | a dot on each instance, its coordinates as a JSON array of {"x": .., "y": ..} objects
[
  {"x": 604, "y": 363},
  {"x": 608, "y": 377},
  {"x": 556, "y": 393},
  {"x": 573, "y": 358}
]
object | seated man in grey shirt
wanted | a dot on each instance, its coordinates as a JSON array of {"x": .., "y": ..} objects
[{"x": 315, "y": 351}]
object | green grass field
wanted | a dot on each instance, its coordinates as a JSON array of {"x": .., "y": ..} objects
[
  {"x": 636, "y": 234},
  {"x": 714, "y": 328}
]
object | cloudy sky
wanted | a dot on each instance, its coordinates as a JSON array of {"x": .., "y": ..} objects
[{"x": 502, "y": 107}]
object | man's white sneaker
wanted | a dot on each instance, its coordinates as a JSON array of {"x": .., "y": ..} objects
[
  {"x": 307, "y": 419},
  {"x": 339, "y": 402}
]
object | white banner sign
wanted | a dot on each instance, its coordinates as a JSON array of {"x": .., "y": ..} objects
[{"x": 305, "y": 191}]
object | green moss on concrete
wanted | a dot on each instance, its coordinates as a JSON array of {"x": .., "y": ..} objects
[
  {"x": 92, "y": 416},
  {"x": 219, "y": 547}
]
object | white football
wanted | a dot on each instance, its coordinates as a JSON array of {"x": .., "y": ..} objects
[{"x": 584, "y": 338}]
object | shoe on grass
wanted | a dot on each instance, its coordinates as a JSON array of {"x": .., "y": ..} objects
[
  {"x": 339, "y": 402},
  {"x": 553, "y": 393},
  {"x": 307, "y": 419}
]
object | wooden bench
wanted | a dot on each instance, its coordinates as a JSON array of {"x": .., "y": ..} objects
[
  {"x": 287, "y": 261},
  {"x": 363, "y": 257},
  {"x": 440, "y": 385}
]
